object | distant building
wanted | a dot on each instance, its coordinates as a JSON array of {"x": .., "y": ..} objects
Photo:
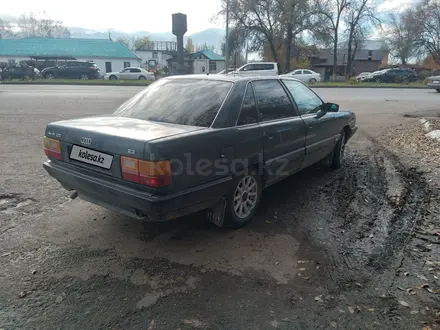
[
  {"x": 203, "y": 61},
  {"x": 156, "y": 53},
  {"x": 369, "y": 58},
  {"x": 108, "y": 55},
  {"x": 216, "y": 62}
]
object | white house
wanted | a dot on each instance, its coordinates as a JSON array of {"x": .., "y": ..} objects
[
  {"x": 156, "y": 53},
  {"x": 107, "y": 54}
]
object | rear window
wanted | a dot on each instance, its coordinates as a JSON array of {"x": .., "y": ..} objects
[{"x": 181, "y": 101}]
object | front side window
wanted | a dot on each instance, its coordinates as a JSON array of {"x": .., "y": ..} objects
[
  {"x": 248, "y": 113},
  {"x": 193, "y": 102},
  {"x": 306, "y": 101},
  {"x": 272, "y": 100}
]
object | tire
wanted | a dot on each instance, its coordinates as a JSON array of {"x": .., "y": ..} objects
[
  {"x": 142, "y": 78},
  {"x": 339, "y": 152},
  {"x": 312, "y": 81},
  {"x": 438, "y": 90},
  {"x": 84, "y": 76},
  {"x": 251, "y": 188},
  {"x": 49, "y": 75},
  {"x": 112, "y": 77},
  {"x": 378, "y": 80}
]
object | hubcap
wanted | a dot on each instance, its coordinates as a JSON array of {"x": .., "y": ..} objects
[
  {"x": 84, "y": 77},
  {"x": 245, "y": 197}
]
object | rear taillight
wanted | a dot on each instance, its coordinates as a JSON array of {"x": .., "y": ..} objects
[
  {"x": 52, "y": 148},
  {"x": 152, "y": 174}
]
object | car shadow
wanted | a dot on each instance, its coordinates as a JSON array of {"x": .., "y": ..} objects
[{"x": 285, "y": 196}]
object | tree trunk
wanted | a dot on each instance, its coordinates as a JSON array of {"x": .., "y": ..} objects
[
  {"x": 349, "y": 58},
  {"x": 289, "y": 41},
  {"x": 273, "y": 50},
  {"x": 335, "y": 55},
  {"x": 288, "y": 48}
]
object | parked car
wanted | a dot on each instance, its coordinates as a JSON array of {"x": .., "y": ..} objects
[
  {"x": 73, "y": 70},
  {"x": 197, "y": 142},
  {"x": 226, "y": 71},
  {"x": 399, "y": 75},
  {"x": 257, "y": 69},
  {"x": 364, "y": 75},
  {"x": 304, "y": 75},
  {"x": 130, "y": 74},
  {"x": 18, "y": 71},
  {"x": 434, "y": 82}
]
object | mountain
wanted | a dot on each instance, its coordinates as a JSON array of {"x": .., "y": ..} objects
[{"x": 210, "y": 36}]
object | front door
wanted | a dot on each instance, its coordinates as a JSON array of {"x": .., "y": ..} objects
[
  {"x": 322, "y": 131},
  {"x": 283, "y": 130}
]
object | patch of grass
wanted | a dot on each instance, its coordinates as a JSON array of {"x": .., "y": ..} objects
[{"x": 80, "y": 82}]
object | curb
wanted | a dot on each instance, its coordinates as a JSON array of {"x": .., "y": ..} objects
[
  {"x": 373, "y": 87},
  {"x": 70, "y": 84}
]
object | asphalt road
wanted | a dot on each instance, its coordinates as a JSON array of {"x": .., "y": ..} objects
[{"x": 71, "y": 265}]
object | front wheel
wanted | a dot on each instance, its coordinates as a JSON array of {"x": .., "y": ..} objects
[
  {"x": 142, "y": 78},
  {"x": 339, "y": 152},
  {"x": 312, "y": 81},
  {"x": 49, "y": 76},
  {"x": 243, "y": 200},
  {"x": 438, "y": 90}
]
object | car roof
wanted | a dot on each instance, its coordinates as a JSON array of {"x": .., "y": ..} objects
[{"x": 229, "y": 77}]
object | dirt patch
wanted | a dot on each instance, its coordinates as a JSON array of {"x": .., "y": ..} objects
[{"x": 423, "y": 114}]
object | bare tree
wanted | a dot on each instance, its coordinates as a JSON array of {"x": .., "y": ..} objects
[
  {"x": 262, "y": 20},
  {"x": 296, "y": 14},
  {"x": 30, "y": 25},
  {"x": 360, "y": 13},
  {"x": 403, "y": 35},
  {"x": 330, "y": 14},
  {"x": 5, "y": 30},
  {"x": 428, "y": 18}
]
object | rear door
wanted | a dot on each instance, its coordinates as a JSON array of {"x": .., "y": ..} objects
[
  {"x": 322, "y": 131},
  {"x": 134, "y": 74},
  {"x": 283, "y": 129}
]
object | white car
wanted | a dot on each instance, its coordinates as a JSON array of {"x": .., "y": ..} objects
[
  {"x": 257, "y": 69},
  {"x": 305, "y": 75},
  {"x": 130, "y": 74},
  {"x": 364, "y": 75}
]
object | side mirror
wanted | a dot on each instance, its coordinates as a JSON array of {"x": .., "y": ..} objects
[{"x": 331, "y": 107}]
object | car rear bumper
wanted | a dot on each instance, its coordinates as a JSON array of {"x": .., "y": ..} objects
[
  {"x": 433, "y": 86},
  {"x": 134, "y": 202}
]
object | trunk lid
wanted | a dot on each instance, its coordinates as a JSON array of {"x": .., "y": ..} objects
[{"x": 114, "y": 135}]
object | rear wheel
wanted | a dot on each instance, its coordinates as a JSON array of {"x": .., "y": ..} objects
[
  {"x": 112, "y": 77},
  {"x": 49, "y": 76},
  {"x": 339, "y": 152},
  {"x": 438, "y": 90},
  {"x": 243, "y": 200},
  {"x": 142, "y": 78},
  {"x": 84, "y": 76}
]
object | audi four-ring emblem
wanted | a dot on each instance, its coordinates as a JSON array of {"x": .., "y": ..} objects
[{"x": 87, "y": 141}]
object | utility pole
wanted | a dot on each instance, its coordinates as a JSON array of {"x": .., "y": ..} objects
[{"x": 227, "y": 36}]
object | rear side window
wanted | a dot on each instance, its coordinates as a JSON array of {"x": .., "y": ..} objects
[
  {"x": 306, "y": 100},
  {"x": 272, "y": 100},
  {"x": 248, "y": 114},
  {"x": 178, "y": 101}
]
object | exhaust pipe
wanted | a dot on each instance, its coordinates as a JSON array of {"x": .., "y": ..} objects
[{"x": 74, "y": 194}]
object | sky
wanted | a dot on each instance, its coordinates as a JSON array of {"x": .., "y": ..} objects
[{"x": 127, "y": 16}]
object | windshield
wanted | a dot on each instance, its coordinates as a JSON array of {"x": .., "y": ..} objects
[{"x": 181, "y": 101}]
